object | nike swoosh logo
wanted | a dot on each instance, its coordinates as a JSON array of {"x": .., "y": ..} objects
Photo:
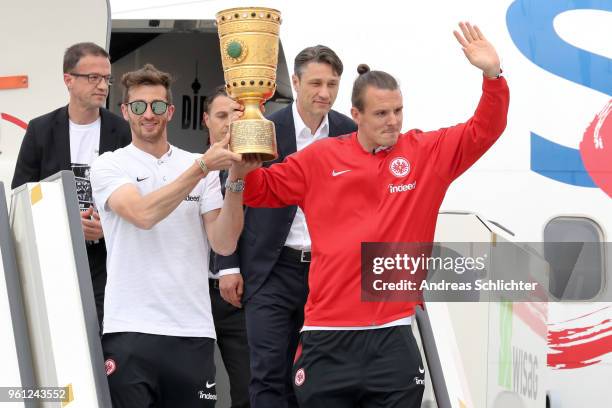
[
  {"x": 210, "y": 385},
  {"x": 337, "y": 173},
  {"x": 421, "y": 370},
  {"x": 138, "y": 179}
]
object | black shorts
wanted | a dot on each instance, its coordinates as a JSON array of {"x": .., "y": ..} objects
[
  {"x": 378, "y": 368},
  {"x": 148, "y": 370}
]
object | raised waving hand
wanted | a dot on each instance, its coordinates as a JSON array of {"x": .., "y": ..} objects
[{"x": 478, "y": 50}]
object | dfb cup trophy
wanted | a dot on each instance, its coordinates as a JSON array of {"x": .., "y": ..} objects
[{"x": 249, "y": 52}]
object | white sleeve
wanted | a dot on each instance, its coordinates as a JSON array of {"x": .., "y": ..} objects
[
  {"x": 230, "y": 271},
  {"x": 106, "y": 177},
  {"x": 211, "y": 193}
]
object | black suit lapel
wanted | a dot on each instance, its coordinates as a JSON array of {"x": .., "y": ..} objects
[
  {"x": 61, "y": 135},
  {"x": 285, "y": 134},
  {"x": 108, "y": 140},
  {"x": 333, "y": 128},
  {"x": 285, "y": 131}
]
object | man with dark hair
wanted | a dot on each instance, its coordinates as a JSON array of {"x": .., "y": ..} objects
[
  {"x": 70, "y": 138},
  {"x": 73, "y": 54},
  {"x": 274, "y": 249},
  {"x": 162, "y": 210},
  {"x": 375, "y": 185},
  {"x": 226, "y": 286}
]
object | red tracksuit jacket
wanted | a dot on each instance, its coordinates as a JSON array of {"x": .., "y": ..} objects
[{"x": 391, "y": 196}]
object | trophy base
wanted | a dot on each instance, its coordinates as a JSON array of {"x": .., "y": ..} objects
[{"x": 254, "y": 137}]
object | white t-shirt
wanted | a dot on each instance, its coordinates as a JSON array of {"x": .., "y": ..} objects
[
  {"x": 84, "y": 149},
  {"x": 157, "y": 279}
]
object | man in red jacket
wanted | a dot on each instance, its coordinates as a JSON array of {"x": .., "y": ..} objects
[{"x": 375, "y": 185}]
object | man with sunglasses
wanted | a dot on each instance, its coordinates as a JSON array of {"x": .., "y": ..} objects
[
  {"x": 162, "y": 210},
  {"x": 70, "y": 138}
]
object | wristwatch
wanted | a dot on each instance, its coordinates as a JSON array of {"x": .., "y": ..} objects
[
  {"x": 499, "y": 74},
  {"x": 236, "y": 186}
]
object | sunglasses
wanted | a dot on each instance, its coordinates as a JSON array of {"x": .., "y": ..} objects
[{"x": 140, "y": 107}]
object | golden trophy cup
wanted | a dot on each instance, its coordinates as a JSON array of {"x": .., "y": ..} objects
[{"x": 249, "y": 52}]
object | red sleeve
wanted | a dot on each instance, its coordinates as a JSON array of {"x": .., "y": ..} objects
[
  {"x": 279, "y": 185},
  {"x": 458, "y": 147}
]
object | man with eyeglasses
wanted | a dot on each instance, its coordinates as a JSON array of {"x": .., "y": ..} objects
[
  {"x": 70, "y": 138},
  {"x": 162, "y": 210}
]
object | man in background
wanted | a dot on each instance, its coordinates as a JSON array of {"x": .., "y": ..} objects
[
  {"x": 274, "y": 248},
  {"x": 70, "y": 138},
  {"x": 226, "y": 286}
]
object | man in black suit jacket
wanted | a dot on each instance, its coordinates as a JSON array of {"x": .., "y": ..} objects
[
  {"x": 70, "y": 138},
  {"x": 274, "y": 249},
  {"x": 229, "y": 317}
]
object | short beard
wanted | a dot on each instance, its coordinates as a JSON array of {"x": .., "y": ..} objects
[{"x": 151, "y": 138}]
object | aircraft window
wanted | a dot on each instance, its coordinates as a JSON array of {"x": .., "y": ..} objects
[{"x": 573, "y": 247}]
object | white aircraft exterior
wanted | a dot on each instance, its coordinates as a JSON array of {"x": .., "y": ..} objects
[{"x": 549, "y": 177}]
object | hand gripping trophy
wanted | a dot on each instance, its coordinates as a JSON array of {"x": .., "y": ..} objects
[{"x": 249, "y": 52}]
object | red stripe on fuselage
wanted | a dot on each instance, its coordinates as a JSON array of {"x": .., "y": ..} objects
[
  {"x": 14, "y": 120},
  {"x": 565, "y": 354}
]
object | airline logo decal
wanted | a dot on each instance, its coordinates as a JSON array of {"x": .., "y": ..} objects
[
  {"x": 580, "y": 342},
  {"x": 504, "y": 375},
  {"x": 530, "y": 24},
  {"x": 518, "y": 368},
  {"x": 598, "y": 160}
]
